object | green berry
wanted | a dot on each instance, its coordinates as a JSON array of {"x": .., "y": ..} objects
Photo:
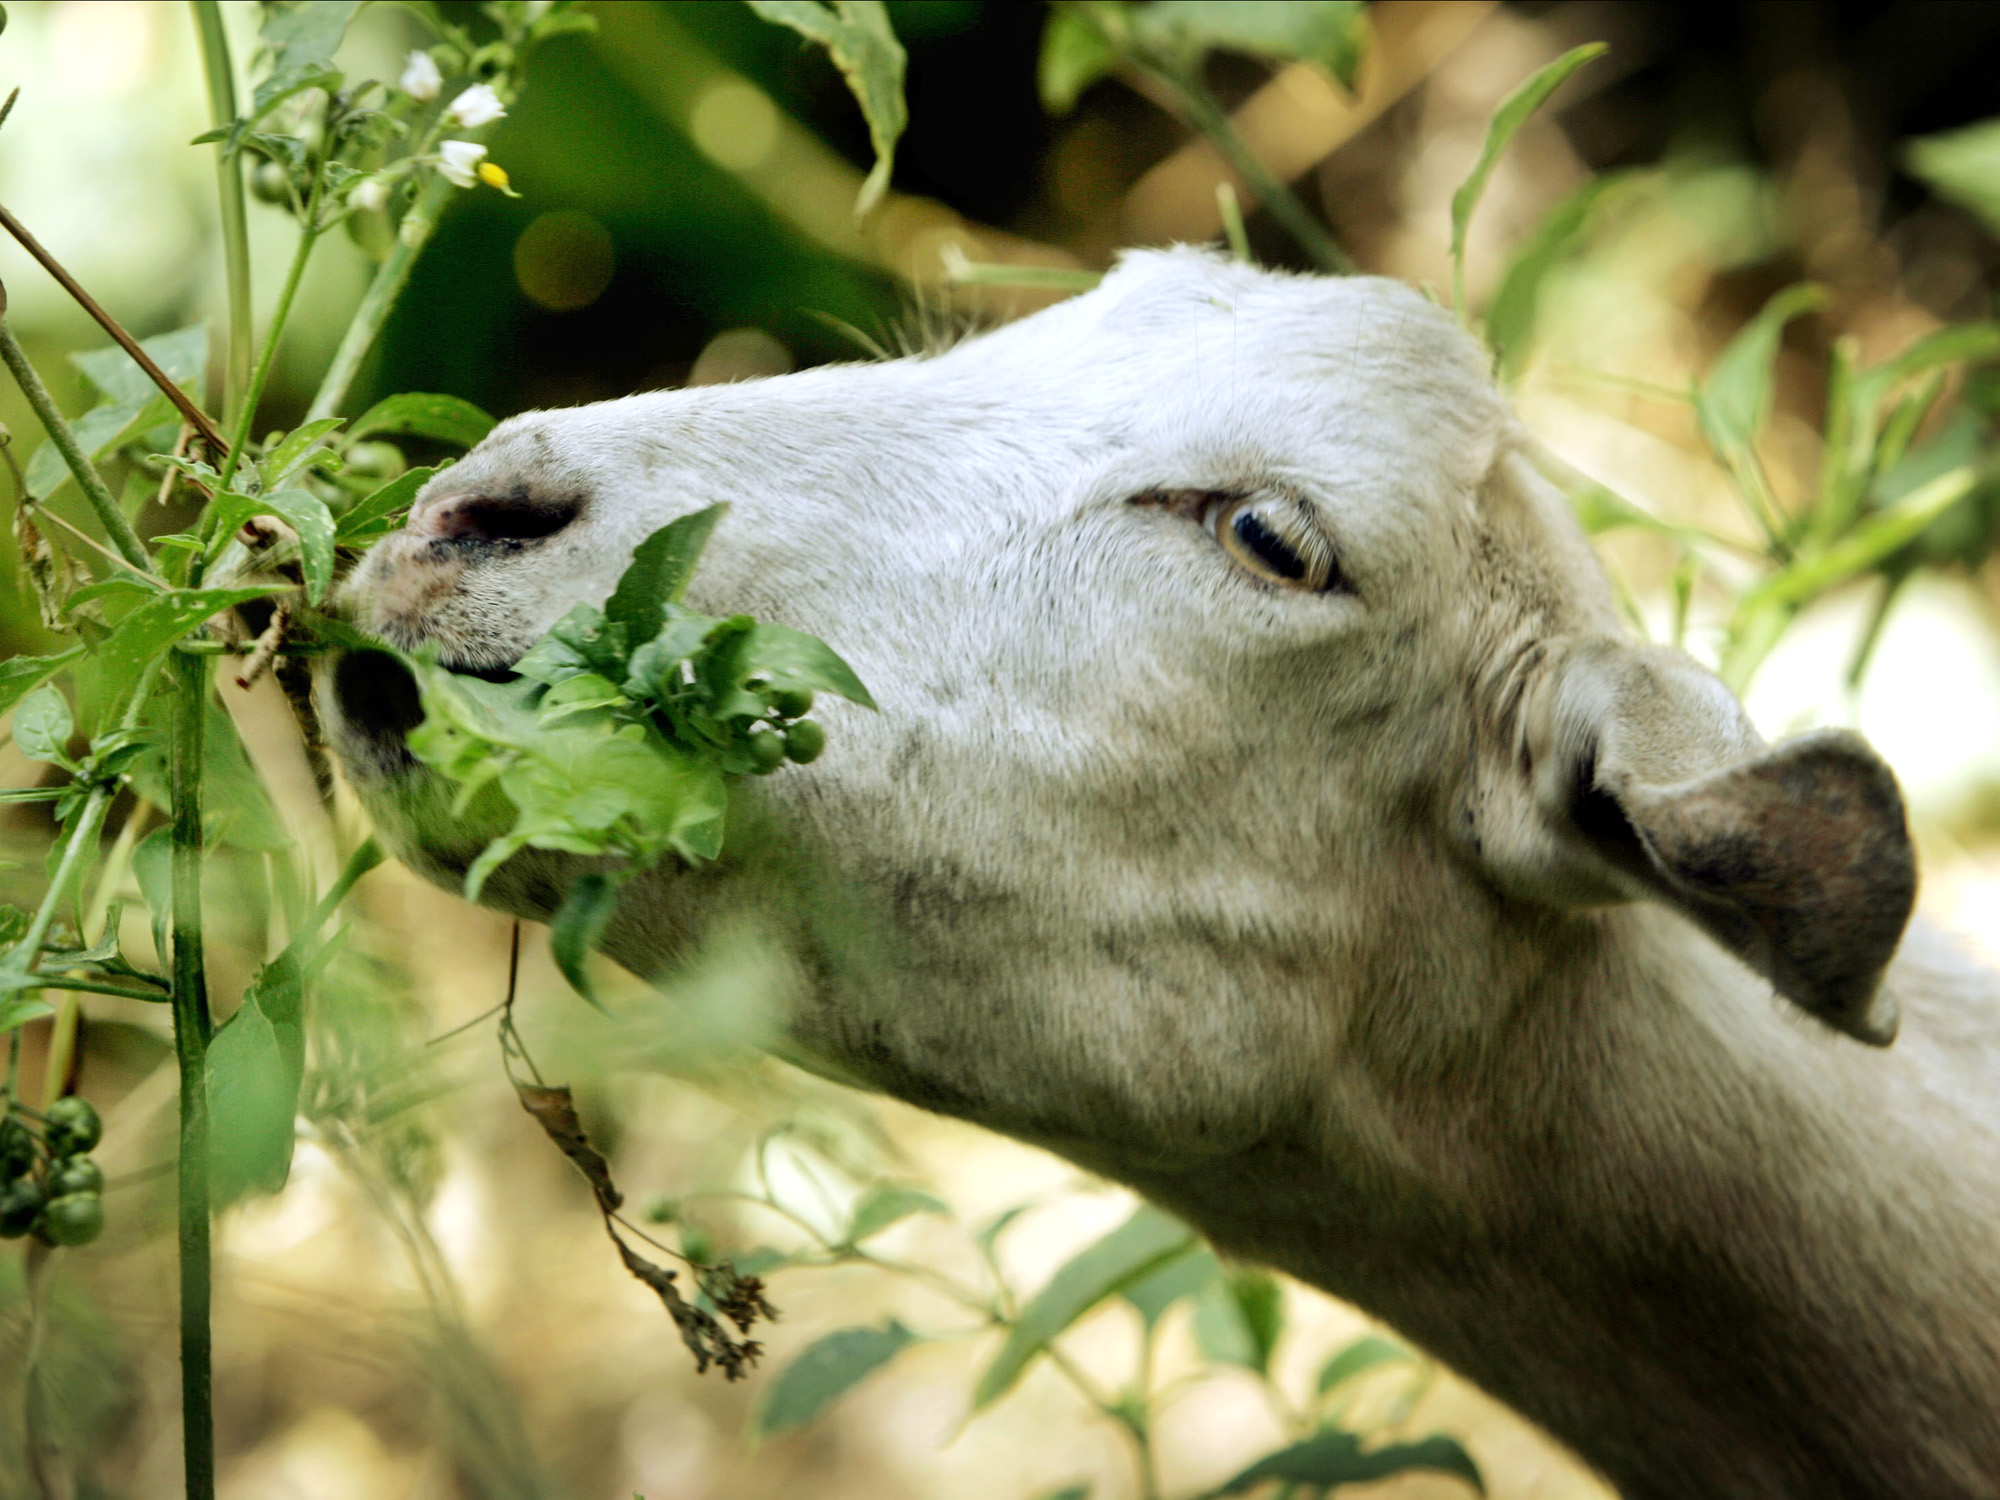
[
  {"x": 77, "y": 1175},
  {"x": 804, "y": 741},
  {"x": 73, "y": 1219},
  {"x": 791, "y": 703},
  {"x": 767, "y": 752},
  {"x": 17, "y": 1149},
  {"x": 73, "y": 1126},
  {"x": 268, "y": 183},
  {"x": 20, "y": 1205}
]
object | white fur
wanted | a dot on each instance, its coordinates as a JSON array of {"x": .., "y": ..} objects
[{"x": 1245, "y": 896}]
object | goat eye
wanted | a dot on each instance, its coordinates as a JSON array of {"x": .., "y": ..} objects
[{"x": 1275, "y": 539}]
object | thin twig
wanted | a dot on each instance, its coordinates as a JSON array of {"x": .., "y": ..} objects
[
  {"x": 485, "y": 1015},
  {"x": 110, "y": 325},
  {"x": 268, "y": 645},
  {"x": 170, "y": 473},
  {"x": 95, "y": 545}
]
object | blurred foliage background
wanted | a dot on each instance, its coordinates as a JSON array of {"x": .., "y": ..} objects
[{"x": 428, "y": 1308}]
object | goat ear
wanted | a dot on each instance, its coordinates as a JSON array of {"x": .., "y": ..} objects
[{"x": 1795, "y": 857}]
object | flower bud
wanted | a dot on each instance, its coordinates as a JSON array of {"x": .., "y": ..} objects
[{"x": 421, "y": 79}]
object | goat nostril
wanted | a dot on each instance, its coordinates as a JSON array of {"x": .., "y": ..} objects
[{"x": 494, "y": 518}]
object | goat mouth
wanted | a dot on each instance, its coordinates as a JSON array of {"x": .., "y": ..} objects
[{"x": 376, "y": 695}]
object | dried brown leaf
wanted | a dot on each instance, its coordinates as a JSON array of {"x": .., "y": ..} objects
[
  {"x": 706, "y": 1339},
  {"x": 555, "y": 1112}
]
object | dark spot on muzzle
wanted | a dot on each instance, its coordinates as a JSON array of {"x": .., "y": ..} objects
[{"x": 377, "y": 695}]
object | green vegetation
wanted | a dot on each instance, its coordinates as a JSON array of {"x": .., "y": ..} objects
[{"x": 201, "y": 548}]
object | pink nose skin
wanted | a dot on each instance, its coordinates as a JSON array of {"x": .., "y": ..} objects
[{"x": 491, "y": 518}]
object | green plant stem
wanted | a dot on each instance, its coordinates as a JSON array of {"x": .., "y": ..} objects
[
  {"x": 83, "y": 833},
  {"x": 246, "y": 648},
  {"x": 239, "y": 434},
  {"x": 419, "y": 223},
  {"x": 1232, "y": 221},
  {"x": 191, "y": 1033},
  {"x": 1207, "y": 116},
  {"x": 62, "y": 1040},
  {"x": 229, "y": 190},
  {"x": 123, "y": 537},
  {"x": 93, "y": 987}
]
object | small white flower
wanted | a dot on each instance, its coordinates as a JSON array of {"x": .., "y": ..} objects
[
  {"x": 477, "y": 106},
  {"x": 459, "y": 161},
  {"x": 369, "y": 194},
  {"x": 421, "y": 79}
]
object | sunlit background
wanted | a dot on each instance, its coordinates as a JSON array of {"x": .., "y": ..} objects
[{"x": 430, "y": 1307}]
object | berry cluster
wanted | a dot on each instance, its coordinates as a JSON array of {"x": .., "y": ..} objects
[
  {"x": 786, "y": 734},
  {"x": 49, "y": 1186}
]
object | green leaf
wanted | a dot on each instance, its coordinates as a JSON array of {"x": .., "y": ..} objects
[
  {"x": 255, "y": 1063},
  {"x": 1075, "y": 54},
  {"x": 21, "y": 675},
  {"x": 1963, "y": 166},
  {"x": 576, "y": 694},
  {"x": 303, "y": 39},
  {"x": 862, "y": 44},
  {"x": 153, "y": 868},
  {"x": 1511, "y": 320},
  {"x": 293, "y": 449},
  {"x": 1332, "y": 1458},
  {"x": 886, "y": 1206},
  {"x": 580, "y": 922},
  {"x": 658, "y": 574},
  {"x": 1122, "y": 1257},
  {"x": 1220, "y": 1330},
  {"x": 1186, "y": 1275},
  {"x": 157, "y": 624},
  {"x": 1069, "y": 1492},
  {"x": 131, "y": 404},
  {"x": 1332, "y": 33},
  {"x": 1514, "y": 112},
  {"x": 14, "y": 1011},
  {"x": 1734, "y": 403},
  {"x": 1948, "y": 346},
  {"x": 257, "y": 1058},
  {"x": 1365, "y": 1353},
  {"x": 381, "y": 512},
  {"x": 793, "y": 659},
  {"x": 1238, "y": 1319},
  {"x": 444, "y": 419},
  {"x": 43, "y": 725},
  {"x": 1260, "y": 1298},
  {"x": 827, "y": 1369},
  {"x": 131, "y": 585},
  {"x": 182, "y": 355},
  {"x": 301, "y": 510},
  {"x": 1873, "y": 541}
]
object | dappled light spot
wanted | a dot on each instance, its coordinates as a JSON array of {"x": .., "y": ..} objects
[
  {"x": 734, "y": 124},
  {"x": 740, "y": 354},
  {"x": 564, "y": 260}
]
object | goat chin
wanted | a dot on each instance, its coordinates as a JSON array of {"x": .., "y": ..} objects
[{"x": 1418, "y": 934}]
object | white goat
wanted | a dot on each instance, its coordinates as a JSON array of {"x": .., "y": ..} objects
[{"x": 1267, "y": 810}]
